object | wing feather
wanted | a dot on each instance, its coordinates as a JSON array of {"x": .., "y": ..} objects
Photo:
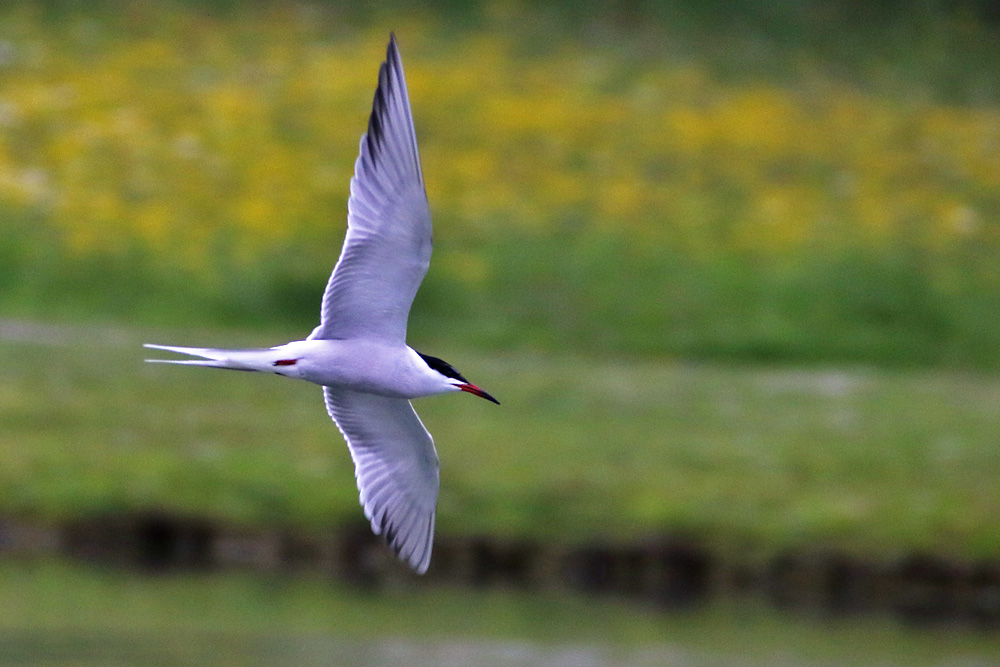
[
  {"x": 396, "y": 468},
  {"x": 387, "y": 248}
]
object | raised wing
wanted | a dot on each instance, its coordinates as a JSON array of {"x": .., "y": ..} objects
[
  {"x": 396, "y": 467},
  {"x": 388, "y": 245}
]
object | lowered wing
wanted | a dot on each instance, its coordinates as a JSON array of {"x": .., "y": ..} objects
[{"x": 396, "y": 468}]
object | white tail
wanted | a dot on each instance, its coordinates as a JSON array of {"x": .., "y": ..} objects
[{"x": 213, "y": 358}]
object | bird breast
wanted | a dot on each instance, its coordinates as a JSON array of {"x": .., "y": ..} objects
[{"x": 368, "y": 366}]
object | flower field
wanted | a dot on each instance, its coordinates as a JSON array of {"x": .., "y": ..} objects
[{"x": 705, "y": 215}]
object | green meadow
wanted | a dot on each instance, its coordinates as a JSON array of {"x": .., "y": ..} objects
[{"x": 748, "y": 459}]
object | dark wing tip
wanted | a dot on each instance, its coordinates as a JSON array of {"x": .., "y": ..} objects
[
  {"x": 389, "y": 533},
  {"x": 392, "y": 57},
  {"x": 375, "y": 135}
]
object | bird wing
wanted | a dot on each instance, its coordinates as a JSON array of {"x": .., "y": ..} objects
[
  {"x": 396, "y": 467},
  {"x": 387, "y": 248}
]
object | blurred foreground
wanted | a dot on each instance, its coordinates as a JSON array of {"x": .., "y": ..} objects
[{"x": 60, "y": 615}]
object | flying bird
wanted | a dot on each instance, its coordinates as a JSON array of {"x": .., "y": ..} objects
[{"x": 358, "y": 353}]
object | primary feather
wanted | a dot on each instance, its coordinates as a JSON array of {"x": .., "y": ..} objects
[
  {"x": 396, "y": 468},
  {"x": 387, "y": 248}
]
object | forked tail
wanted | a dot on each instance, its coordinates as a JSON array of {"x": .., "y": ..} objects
[{"x": 213, "y": 358}]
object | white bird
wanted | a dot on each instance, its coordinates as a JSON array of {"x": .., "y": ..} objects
[{"x": 358, "y": 353}]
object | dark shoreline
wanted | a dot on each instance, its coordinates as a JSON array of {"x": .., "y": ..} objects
[{"x": 671, "y": 573}]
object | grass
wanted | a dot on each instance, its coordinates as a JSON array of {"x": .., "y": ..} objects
[
  {"x": 753, "y": 459},
  {"x": 58, "y": 615}
]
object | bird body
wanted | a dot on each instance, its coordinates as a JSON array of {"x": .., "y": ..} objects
[
  {"x": 358, "y": 353},
  {"x": 364, "y": 365}
]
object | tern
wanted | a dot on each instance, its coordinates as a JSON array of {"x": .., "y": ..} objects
[{"x": 358, "y": 353}]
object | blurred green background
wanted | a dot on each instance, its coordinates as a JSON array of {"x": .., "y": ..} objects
[
  {"x": 733, "y": 268},
  {"x": 813, "y": 181}
]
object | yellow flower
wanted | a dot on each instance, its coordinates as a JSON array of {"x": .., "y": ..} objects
[{"x": 243, "y": 128}]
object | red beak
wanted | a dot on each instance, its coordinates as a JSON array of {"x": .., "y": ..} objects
[{"x": 473, "y": 389}]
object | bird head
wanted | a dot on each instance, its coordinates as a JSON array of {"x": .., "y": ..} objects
[{"x": 455, "y": 378}]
